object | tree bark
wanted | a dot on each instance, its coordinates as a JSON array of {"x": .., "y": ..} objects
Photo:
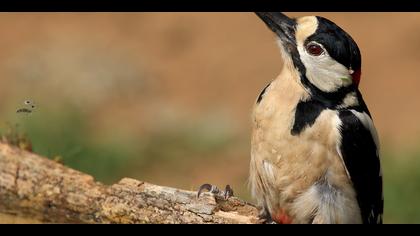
[{"x": 34, "y": 189}]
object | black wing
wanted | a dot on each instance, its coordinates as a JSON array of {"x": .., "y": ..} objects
[{"x": 360, "y": 155}]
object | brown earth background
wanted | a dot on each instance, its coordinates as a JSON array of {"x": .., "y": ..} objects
[{"x": 166, "y": 97}]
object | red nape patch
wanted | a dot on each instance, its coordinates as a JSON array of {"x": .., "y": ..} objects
[
  {"x": 356, "y": 77},
  {"x": 281, "y": 217}
]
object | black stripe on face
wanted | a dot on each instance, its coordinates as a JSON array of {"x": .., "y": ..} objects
[
  {"x": 308, "y": 111},
  {"x": 329, "y": 34}
]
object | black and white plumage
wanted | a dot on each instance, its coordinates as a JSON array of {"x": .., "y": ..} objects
[{"x": 315, "y": 150}]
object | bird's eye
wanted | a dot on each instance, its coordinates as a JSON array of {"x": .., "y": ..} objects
[{"x": 314, "y": 49}]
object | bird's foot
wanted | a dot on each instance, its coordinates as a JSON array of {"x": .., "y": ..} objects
[
  {"x": 265, "y": 217},
  {"x": 225, "y": 194}
]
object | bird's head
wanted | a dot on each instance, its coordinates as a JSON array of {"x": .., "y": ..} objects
[{"x": 326, "y": 57}]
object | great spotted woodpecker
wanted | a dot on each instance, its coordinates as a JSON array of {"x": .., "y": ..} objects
[{"x": 314, "y": 149}]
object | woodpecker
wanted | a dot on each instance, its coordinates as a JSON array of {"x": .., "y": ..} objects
[{"x": 315, "y": 149}]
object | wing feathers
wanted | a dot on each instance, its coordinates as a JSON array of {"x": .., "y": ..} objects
[{"x": 359, "y": 151}]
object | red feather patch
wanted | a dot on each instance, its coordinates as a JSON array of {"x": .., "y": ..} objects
[
  {"x": 356, "y": 77},
  {"x": 281, "y": 217}
]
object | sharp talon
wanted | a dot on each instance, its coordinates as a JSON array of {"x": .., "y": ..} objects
[
  {"x": 207, "y": 187},
  {"x": 214, "y": 190},
  {"x": 228, "y": 192}
]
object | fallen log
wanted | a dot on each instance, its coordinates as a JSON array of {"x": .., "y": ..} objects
[{"x": 34, "y": 189}]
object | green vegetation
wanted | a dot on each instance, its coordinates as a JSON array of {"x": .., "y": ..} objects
[
  {"x": 402, "y": 186},
  {"x": 65, "y": 135}
]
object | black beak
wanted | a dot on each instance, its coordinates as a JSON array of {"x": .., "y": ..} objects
[{"x": 283, "y": 26}]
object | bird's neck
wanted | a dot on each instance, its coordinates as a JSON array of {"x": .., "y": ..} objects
[{"x": 343, "y": 97}]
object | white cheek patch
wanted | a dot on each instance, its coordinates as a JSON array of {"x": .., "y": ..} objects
[{"x": 323, "y": 71}]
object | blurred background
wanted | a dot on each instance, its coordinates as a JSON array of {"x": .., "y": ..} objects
[{"x": 167, "y": 97}]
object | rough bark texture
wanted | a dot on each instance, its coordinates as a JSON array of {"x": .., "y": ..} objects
[{"x": 34, "y": 189}]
